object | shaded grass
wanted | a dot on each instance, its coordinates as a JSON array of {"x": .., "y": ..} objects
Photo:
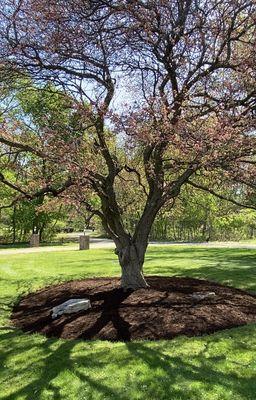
[{"x": 221, "y": 366}]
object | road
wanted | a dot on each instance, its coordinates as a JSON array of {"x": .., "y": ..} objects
[{"x": 96, "y": 243}]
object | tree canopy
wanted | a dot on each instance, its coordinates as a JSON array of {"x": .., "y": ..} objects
[{"x": 157, "y": 95}]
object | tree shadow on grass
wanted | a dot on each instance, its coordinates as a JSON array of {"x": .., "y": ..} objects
[
  {"x": 176, "y": 374},
  {"x": 157, "y": 374},
  {"x": 54, "y": 357},
  {"x": 52, "y": 364},
  {"x": 228, "y": 266}
]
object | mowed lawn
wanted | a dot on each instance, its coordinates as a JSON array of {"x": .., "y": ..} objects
[{"x": 216, "y": 367}]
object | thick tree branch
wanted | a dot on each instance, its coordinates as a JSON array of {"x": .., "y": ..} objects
[{"x": 22, "y": 146}]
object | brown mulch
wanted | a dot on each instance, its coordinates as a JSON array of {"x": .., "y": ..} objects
[{"x": 163, "y": 311}]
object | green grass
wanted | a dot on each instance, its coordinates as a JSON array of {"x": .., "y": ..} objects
[
  {"x": 221, "y": 366},
  {"x": 16, "y": 246}
]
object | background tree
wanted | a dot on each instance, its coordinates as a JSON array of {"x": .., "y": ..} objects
[
  {"x": 191, "y": 67},
  {"x": 200, "y": 216}
]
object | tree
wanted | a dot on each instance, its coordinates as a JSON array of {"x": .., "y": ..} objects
[
  {"x": 191, "y": 67},
  {"x": 200, "y": 216},
  {"x": 31, "y": 110}
]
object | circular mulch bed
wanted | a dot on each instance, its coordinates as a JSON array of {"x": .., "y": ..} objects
[{"x": 167, "y": 309}]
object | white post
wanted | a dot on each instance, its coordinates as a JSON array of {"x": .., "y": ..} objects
[
  {"x": 34, "y": 240},
  {"x": 84, "y": 242}
]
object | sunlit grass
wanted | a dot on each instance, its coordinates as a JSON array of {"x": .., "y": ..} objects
[{"x": 216, "y": 367}]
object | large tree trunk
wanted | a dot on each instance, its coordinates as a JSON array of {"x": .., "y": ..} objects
[{"x": 131, "y": 260}]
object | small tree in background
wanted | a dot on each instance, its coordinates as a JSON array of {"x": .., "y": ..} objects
[{"x": 190, "y": 68}]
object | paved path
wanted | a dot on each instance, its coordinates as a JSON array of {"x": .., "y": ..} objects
[{"x": 96, "y": 243}]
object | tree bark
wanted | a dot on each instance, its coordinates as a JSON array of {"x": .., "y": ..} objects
[{"x": 131, "y": 260}]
